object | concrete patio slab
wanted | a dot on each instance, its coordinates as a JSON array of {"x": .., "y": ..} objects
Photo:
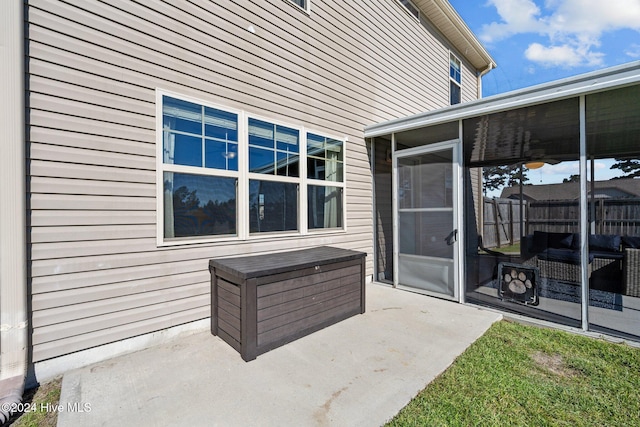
[{"x": 359, "y": 372}]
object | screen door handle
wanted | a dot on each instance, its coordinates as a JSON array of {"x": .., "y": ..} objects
[{"x": 452, "y": 237}]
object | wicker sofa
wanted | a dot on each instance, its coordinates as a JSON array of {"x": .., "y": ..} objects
[
  {"x": 614, "y": 261},
  {"x": 631, "y": 265}
]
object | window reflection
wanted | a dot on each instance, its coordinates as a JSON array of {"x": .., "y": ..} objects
[
  {"x": 188, "y": 127},
  {"x": 273, "y": 149},
  {"x": 325, "y": 207},
  {"x": 273, "y": 206},
  {"x": 199, "y": 205},
  {"x": 324, "y": 158}
]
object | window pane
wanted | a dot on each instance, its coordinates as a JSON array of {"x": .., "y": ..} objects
[
  {"x": 410, "y": 7},
  {"x": 334, "y": 149},
  {"x": 220, "y": 124},
  {"x": 315, "y": 141},
  {"x": 273, "y": 206},
  {"x": 221, "y": 155},
  {"x": 455, "y": 93},
  {"x": 333, "y": 171},
  {"x": 324, "y": 158},
  {"x": 288, "y": 139},
  {"x": 287, "y": 164},
  {"x": 279, "y": 155},
  {"x": 181, "y": 115},
  {"x": 261, "y": 133},
  {"x": 325, "y": 207},
  {"x": 260, "y": 160},
  {"x": 182, "y": 149},
  {"x": 315, "y": 168},
  {"x": 301, "y": 3},
  {"x": 455, "y": 69},
  {"x": 183, "y": 139},
  {"x": 198, "y": 205}
]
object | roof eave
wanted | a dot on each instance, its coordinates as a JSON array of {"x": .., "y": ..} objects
[
  {"x": 473, "y": 49},
  {"x": 597, "y": 81}
]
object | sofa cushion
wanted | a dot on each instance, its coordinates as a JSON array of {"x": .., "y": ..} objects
[
  {"x": 568, "y": 256},
  {"x": 543, "y": 240},
  {"x": 604, "y": 242},
  {"x": 607, "y": 255},
  {"x": 572, "y": 241},
  {"x": 631, "y": 242}
]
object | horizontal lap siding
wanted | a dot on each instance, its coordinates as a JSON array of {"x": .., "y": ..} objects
[{"x": 97, "y": 274}]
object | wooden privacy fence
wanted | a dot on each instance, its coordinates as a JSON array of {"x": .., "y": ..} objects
[
  {"x": 605, "y": 216},
  {"x": 502, "y": 222}
]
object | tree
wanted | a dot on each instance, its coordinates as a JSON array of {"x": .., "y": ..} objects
[
  {"x": 185, "y": 200},
  {"x": 572, "y": 178},
  {"x": 497, "y": 177},
  {"x": 630, "y": 168}
]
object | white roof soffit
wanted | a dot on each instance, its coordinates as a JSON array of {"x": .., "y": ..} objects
[
  {"x": 444, "y": 17},
  {"x": 583, "y": 84}
]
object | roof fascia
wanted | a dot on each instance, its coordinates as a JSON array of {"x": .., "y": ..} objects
[
  {"x": 597, "y": 81},
  {"x": 458, "y": 25}
]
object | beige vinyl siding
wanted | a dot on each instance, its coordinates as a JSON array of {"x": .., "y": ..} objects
[
  {"x": 469, "y": 81},
  {"x": 97, "y": 273}
]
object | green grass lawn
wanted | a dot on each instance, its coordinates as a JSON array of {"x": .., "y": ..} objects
[
  {"x": 529, "y": 376},
  {"x": 512, "y": 249},
  {"x": 40, "y": 398}
]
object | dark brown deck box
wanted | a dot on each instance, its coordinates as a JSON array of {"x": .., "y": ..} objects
[{"x": 261, "y": 302}]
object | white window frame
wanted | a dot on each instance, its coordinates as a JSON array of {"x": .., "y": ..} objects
[
  {"x": 453, "y": 57},
  {"x": 324, "y": 183},
  {"x": 162, "y": 167},
  {"x": 410, "y": 7},
  {"x": 273, "y": 178},
  {"x": 243, "y": 177},
  {"x": 306, "y": 8}
]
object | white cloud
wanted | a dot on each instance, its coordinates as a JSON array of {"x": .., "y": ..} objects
[
  {"x": 573, "y": 28},
  {"x": 572, "y": 167},
  {"x": 633, "y": 50},
  {"x": 518, "y": 16},
  {"x": 563, "y": 55}
]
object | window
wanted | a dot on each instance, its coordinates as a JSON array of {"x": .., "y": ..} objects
[
  {"x": 411, "y": 8},
  {"x": 325, "y": 163},
  {"x": 455, "y": 80},
  {"x": 273, "y": 150},
  {"x": 303, "y": 4},
  {"x": 226, "y": 175},
  {"x": 199, "y": 205},
  {"x": 273, "y": 206},
  {"x": 199, "y": 170}
]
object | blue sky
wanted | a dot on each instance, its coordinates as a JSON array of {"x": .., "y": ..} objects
[{"x": 537, "y": 41}]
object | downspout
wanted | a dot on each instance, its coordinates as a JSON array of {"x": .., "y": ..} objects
[
  {"x": 480, "y": 194},
  {"x": 480, "y": 75},
  {"x": 13, "y": 264}
]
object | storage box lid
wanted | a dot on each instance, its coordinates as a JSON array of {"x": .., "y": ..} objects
[{"x": 247, "y": 267}]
